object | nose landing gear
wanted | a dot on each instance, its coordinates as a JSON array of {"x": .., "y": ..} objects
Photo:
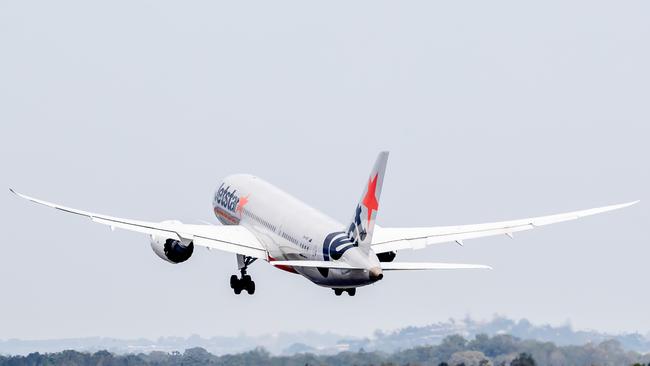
[{"x": 245, "y": 282}]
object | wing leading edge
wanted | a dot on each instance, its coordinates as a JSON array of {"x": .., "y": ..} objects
[
  {"x": 393, "y": 239},
  {"x": 234, "y": 239}
]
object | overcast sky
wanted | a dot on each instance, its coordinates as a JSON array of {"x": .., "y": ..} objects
[{"x": 491, "y": 111}]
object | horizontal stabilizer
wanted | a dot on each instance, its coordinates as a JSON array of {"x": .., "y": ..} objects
[
  {"x": 414, "y": 266},
  {"x": 386, "y": 266},
  {"x": 315, "y": 264}
]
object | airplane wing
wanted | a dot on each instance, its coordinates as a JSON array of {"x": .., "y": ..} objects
[
  {"x": 386, "y": 266},
  {"x": 393, "y": 239},
  {"x": 234, "y": 239}
]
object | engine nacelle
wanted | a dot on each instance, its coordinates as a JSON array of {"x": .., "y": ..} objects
[{"x": 172, "y": 250}]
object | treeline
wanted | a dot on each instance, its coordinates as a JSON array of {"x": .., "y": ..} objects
[{"x": 453, "y": 351}]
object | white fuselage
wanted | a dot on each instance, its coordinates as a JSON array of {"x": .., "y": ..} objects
[{"x": 292, "y": 230}]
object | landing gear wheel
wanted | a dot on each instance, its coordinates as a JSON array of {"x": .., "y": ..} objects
[
  {"x": 245, "y": 282},
  {"x": 250, "y": 287},
  {"x": 338, "y": 291},
  {"x": 352, "y": 291}
]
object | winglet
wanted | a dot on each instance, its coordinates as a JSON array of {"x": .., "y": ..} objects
[
  {"x": 29, "y": 198},
  {"x": 18, "y": 194}
]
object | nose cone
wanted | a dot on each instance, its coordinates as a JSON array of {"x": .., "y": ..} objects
[{"x": 376, "y": 273}]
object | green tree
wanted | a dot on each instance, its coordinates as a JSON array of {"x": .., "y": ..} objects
[
  {"x": 451, "y": 345},
  {"x": 524, "y": 359}
]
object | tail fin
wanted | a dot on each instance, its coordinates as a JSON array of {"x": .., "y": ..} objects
[{"x": 363, "y": 221}]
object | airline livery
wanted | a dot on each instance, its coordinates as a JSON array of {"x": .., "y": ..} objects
[{"x": 260, "y": 221}]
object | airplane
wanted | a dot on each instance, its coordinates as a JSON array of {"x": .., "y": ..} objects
[{"x": 261, "y": 221}]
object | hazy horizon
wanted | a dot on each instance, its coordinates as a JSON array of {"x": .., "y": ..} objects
[
  {"x": 490, "y": 111},
  {"x": 566, "y": 323},
  {"x": 288, "y": 343}
]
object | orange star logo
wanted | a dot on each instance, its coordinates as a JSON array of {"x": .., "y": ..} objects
[
  {"x": 370, "y": 199},
  {"x": 240, "y": 205}
]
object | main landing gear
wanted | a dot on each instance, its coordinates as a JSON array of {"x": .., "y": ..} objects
[
  {"x": 350, "y": 291},
  {"x": 245, "y": 282}
]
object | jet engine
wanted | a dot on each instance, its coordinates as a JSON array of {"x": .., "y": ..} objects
[{"x": 172, "y": 250}]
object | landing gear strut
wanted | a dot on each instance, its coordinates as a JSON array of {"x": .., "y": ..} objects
[
  {"x": 350, "y": 291},
  {"x": 245, "y": 282}
]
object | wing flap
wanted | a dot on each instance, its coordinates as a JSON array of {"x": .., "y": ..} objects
[{"x": 232, "y": 238}]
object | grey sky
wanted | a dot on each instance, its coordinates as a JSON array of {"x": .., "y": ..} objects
[{"x": 491, "y": 110}]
